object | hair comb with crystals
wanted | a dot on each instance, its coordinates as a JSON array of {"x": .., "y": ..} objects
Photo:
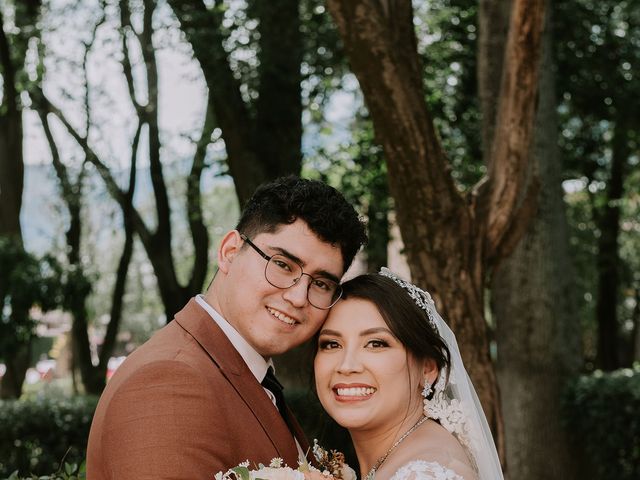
[{"x": 419, "y": 296}]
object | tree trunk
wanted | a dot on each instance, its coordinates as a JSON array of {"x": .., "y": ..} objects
[
  {"x": 279, "y": 107},
  {"x": 11, "y": 160},
  {"x": 608, "y": 262},
  {"x": 12, "y": 164},
  {"x": 493, "y": 27},
  {"x": 635, "y": 338},
  {"x": 452, "y": 242},
  {"x": 378, "y": 231},
  {"x": 13, "y": 379},
  {"x": 262, "y": 141},
  {"x": 532, "y": 299}
]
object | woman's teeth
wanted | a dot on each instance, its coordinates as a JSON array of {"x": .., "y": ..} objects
[{"x": 355, "y": 391}]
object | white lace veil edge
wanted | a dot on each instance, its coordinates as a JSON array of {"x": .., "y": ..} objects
[
  {"x": 455, "y": 403},
  {"x": 479, "y": 443}
]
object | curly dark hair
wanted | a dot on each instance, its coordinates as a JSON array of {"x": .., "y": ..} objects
[
  {"x": 406, "y": 320},
  {"x": 321, "y": 207}
]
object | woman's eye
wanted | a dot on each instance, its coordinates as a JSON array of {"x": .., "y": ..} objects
[
  {"x": 377, "y": 344},
  {"x": 328, "y": 344}
]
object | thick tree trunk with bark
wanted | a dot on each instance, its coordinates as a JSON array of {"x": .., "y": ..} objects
[
  {"x": 13, "y": 379},
  {"x": 452, "y": 242},
  {"x": 533, "y": 301},
  {"x": 635, "y": 337},
  {"x": 262, "y": 141},
  {"x": 12, "y": 161},
  {"x": 608, "y": 261},
  {"x": 379, "y": 235}
]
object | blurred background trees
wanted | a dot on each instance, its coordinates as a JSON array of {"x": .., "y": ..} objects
[{"x": 132, "y": 130}]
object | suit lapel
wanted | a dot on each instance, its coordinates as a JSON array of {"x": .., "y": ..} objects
[
  {"x": 301, "y": 437},
  {"x": 199, "y": 324}
]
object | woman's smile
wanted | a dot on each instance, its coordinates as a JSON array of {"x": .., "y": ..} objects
[{"x": 352, "y": 392}]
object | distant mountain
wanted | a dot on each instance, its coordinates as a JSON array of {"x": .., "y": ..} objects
[
  {"x": 44, "y": 215},
  {"x": 40, "y": 216}
]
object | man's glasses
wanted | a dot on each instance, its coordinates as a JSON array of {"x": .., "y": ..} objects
[{"x": 283, "y": 272}]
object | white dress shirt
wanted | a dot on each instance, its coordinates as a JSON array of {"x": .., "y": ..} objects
[{"x": 256, "y": 362}]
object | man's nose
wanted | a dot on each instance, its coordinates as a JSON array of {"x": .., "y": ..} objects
[{"x": 297, "y": 293}]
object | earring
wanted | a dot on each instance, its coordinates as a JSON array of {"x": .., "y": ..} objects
[{"x": 427, "y": 390}]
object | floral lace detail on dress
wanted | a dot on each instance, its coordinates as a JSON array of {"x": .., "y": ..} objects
[
  {"x": 421, "y": 470},
  {"x": 452, "y": 415}
]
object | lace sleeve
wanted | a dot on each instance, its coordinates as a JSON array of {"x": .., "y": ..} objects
[{"x": 421, "y": 470}]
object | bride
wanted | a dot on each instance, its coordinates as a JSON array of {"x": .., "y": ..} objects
[{"x": 388, "y": 369}]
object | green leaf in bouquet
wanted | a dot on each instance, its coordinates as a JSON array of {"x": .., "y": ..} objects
[{"x": 242, "y": 472}]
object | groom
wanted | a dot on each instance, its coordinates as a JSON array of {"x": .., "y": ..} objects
[{"x": 200, "y": 395}]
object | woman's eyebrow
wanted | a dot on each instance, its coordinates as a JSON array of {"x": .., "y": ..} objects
[
  {"x": 333, "y": 333},
  {"x": 371, "y": 331}
]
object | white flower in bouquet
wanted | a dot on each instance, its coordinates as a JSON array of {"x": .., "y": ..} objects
[{"x": 332, "y": 464}]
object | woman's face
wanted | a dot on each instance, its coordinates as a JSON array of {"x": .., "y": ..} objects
[{"x": 364, "y": 376}]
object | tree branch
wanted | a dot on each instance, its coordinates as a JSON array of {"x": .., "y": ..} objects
[
  {"x": 112, "y": 186},
  {"x": 10, "y": 95},
  {"x": 125, "y": 259},
  {"x": 163, "y": 209},
  {"x": 194, "y": 204},
  {"x": 498, "y": 203},
  {"x": 203, "y": 29}
]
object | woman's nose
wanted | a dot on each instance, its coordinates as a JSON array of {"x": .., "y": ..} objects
[{"x": 350, "y": 362}]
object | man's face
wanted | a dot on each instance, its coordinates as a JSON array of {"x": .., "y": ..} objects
[{"x": 271, "y": 319}]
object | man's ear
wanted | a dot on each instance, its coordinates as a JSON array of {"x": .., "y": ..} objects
[
  {"x": 430, "y": 372},
  {"x": 227, "y": 250}
]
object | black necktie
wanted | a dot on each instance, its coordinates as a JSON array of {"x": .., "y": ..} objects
[{"x": 271, "y": 383}]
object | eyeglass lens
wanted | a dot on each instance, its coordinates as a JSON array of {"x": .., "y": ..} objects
[{"x": 282, "y": 272}]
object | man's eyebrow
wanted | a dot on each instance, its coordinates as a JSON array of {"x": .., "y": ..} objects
[{"x": 299, "y": 261}]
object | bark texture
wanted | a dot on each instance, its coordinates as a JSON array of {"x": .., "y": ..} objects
[
  {"x": 452, "y": 242},
  {"x": 534, "y": 306},
  {"x": 262, "y": 138},
  {"x": 12, "y": 161},
  {"x": 608, "y": 261}
]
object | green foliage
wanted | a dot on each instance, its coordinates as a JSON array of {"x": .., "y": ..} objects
[
  {"x": 596, "y": 48},
  {"x": 69, "y": 471},
  {"x": 601, "y": 412},
  {"x": 324, "y": 64},
  {"x": 39, "y": 434},
  {"x": 447, "y": 43},
  {"x": 26, "y": 282},
  {"x": 359, "y": 171}
]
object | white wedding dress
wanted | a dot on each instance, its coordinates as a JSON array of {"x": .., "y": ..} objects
[{"x": 423, "y": 470}]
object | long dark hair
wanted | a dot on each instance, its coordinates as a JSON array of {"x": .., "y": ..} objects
[{"x": 408, "y": 322}]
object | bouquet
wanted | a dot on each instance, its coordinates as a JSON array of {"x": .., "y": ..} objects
[{"x": 332, "y": 464}]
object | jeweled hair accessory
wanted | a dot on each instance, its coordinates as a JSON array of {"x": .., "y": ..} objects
[
  {"x": 455, "y": 403},
  {"x": 419, "y": 296}
]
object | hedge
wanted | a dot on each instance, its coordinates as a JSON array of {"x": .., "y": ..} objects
[
  {"x": 602, "y": 414},
  {"x": 38, "y": 435},
  {"x": 601, "y": 411}
]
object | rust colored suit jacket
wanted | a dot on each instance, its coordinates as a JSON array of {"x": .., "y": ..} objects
[{"x": 184, "y": 406}]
